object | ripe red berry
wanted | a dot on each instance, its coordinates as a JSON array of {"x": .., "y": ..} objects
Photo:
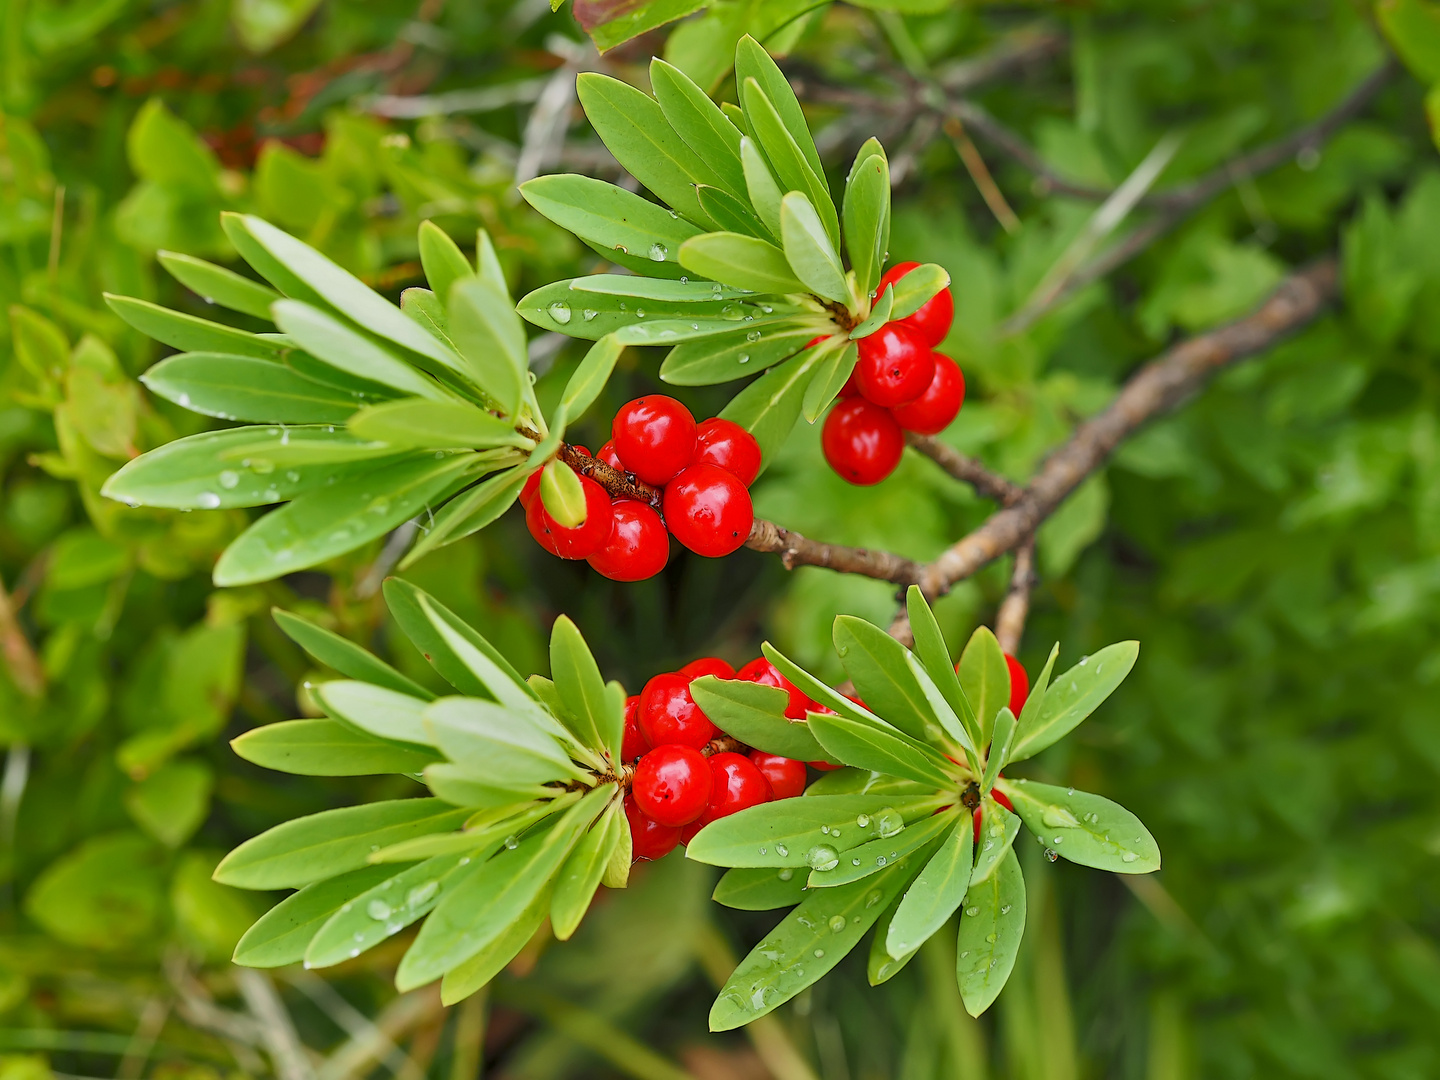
[
  {"x": 708, "y": 510},
  {"x": 849, "y": 390},
  {"x": 933, "y": 319},
  {"x": 823, "y": 766},
  {"x": 530, "y": 488},
  {"x": 1019, "y": 684},
  {"x": 762, "y": 671},
  {"x": 708, "y": 665},
  {"x": 633, "y": 745},
  {"x": 586, "y": 538},
  {"x": 862, "y": 442},
  {"x": 736, "y": 785},
  {"x": 672, "y": 784},
  {"x": 655, "y": 437},
  {"x": 895, "y": 365},
  {"x": 608, "y": 455},
  {"x": 785, "y": 775},
  {"x": 669, "y": 715},
  {"x": 648, "y": 838},
  {"x": 932, "y": 411},
  {"x": 726, "y": 444},
  {"x": 638, "y": 546}
]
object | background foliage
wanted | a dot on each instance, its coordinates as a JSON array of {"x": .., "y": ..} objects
[{"x": 1275, "y": 546}]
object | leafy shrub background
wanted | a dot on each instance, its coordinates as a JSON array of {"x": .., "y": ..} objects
[{"x": 1273, "y": 546}]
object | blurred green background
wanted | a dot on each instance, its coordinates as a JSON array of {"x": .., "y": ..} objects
[{"x": 1275, "y": 546}]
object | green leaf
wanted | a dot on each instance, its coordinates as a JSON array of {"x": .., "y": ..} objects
[
  {"x": 589, "y": 379},
  {"x": 1413, "y": 29},
  {"x": 769, "y": 406},
  {"x": 1074, "y": 696},
  {"x": 1035, "y": 701},
  {"x": 173, "y": 801},
  {"x": 570, "y": 308},
  {"x": 443, "y": 261},
  {"x": 867, "y": 219},
  {"x": 420, "y": 423},
  {"x": 812, "y": 831},
  {"x": 916, "y": 288},
  {"x": 223, "y": 469},
  {"x": 237, "y": 230},
  {"x": 280, "y": 936},
  {"x": 991, "y": 925},
  {"x": 562, "y": 494},
  {"x": 496, "y": 745},
  {"x": 327, "y": 338},
  {"x": 325, "y": 748},
  {"x": 469, "y": 976},
  {"x": 623, "y": 23},
  {"x": 217, "y": 285},
  {"x": 880, "y": 966},
  {"x": 689, "y": 328},
  {"x": 742, "y": 261},
  {"x": 729, "y": 213},
  {"x": 582, "y": 689},
  {"x": 681, "y": 295},
  {"x": 786, "y": 158},
  {"x": 700, "y": 123},
  {"x": 809, "y": 250},
  {"x": 634, "y": 129},
  {"x": 319, "y": 525},
  {"x": 389, "y": 905},
  {"x": 491, "y": 272},
  {"x": 935, "y": 894},
  {"x": 998, "y": 829},
  {"x": 819, "y": 691},
  {"x": 985, "y": 678},
  {"x": 871, "y": 858},
  {"x": 810, "y": 941},
  {"x": 760, "y": 888},
  {"x": 331, "y": 842},
  {"x": 1084, "y": 828},
  {"x": 581, "y": 874},
  {"x": 344, "y": 656},
  {"x": 755, "y": 715},
  {"x": 868, "y": 747},
  {"x": 831, "y": 377},
  {"x": 491, "y": 337},
  {"x": 458, "y": 786},
  {"x": 263, "y": 24},
  {"x": 246, "y": 388},
  {"x": 761, "y": 186},
  {"x": 934, "y": 654},
  {"x": 753, "y": 62},
  {"x": 376, "y": 710},
  {"x": 878, "y": 317},
  {"x": 877, "y": 666},
  {"x": 735, "y": 354},
  {"x": 1000, "y": 744},
  {"x": 188, "y": 333},
  {"x": 468, "y": 512}
]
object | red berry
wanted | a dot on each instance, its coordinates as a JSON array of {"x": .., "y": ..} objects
[
  {"x": 862, "y": 441},
  {"x": 824, "y": 766},
  {"x": 762, "y": 671},
  {"x": 1019, "y": 684},
  {"x": 708, "y": 510},
  {"x": 672, "y": 784},
  {"x": 648, "y": 838},
  {"x": 726, "y": 444},
  {"x": 1002, "y": 799},
  {"x": 736, "y": 785},
  {"x": 895, "y": 365},
  {"x": 708, "y": 665},
  {"x": 932, "y": 320},
  {"x": 608, "y": 455},
  {"x": 532, "y": 485},
  {"x": 669, "y": 715},
  {"x": 849, "y": 390},
  {"x": 586, "y": 538},
  {"x": 638, "y": 547},
  {"x": 785, "y": 775},
  {"x": 655, "y": 437},
  {"x": 932, "y": 411},
  {"x": 633, "y": 745}
]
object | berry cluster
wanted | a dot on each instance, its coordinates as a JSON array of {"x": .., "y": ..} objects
[
  {"x": 685, "y": 773},
  {"x": 899, "y": 384},
  {"x": 696, "y": 475}
]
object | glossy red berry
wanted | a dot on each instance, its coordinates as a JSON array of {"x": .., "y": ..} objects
[
  {"x": 726, "y": 444},
  {"x": 824, "y": 766},
  {"x": 932, "y": 411},
  {"x": 648, "y": 838},
  {"x": 895, "y": 365},
  {"x": 530, "y": 489},
  {"x": 634, "y": 744},
  {"x": 762, "y": 671},
  {"x": 862, "y": 442},
  {"x": 638, "y": 546},
  {"x": 736, "y": 784},
  {"x": 933, "y": 319},
  {"x": 655, "y": 437},
  {"x": 672, "y": 784},
  {"x": 849, "y": 390},
  {"x": 786, "y": 776},
  {"x": 669, "y": 715},
  {"x": 708, "y": 510},
  {"x": 1019, "y": 684},
  {"x": 608, "y": 455},
  {"x": 586, "y": 538},
  {"x": 708, "y": 665}
]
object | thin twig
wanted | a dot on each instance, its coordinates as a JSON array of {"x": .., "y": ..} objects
[
  {"x": 796, "y": 550},
  {"x": 360, "y": 1052},
  {"x": 1015, "y": 608},
  {"x": 980, "y": 174},
  {"x": 277, "y": 1030},
  {"x": 354, "y": 1022},
  {"x": 26, "y": 671},
  {"x": 966, "y": 469}
]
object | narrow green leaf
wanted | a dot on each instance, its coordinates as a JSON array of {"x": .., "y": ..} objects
[
  {"x": 936, "y": 893},
  {"x": 831, "y": 377},
  {"x": 991, "y": 926},
  {"x": 376, "y": 710},
  {"x": 471, "y": 975},
  {"x": 236, "y": 228},
  {"x": 821, "y": 692},
  {"x": 810, "y": 832},
  {"x": 860, "y": 862},
  {"x": 742, "y": 261},
  {"x": 612, "y": 722},
  {"x": 760, "y": 888},
  {"x": 327, "y": 338},
  {"x": 880, "y": 966},
  {"x": 1038, "y": 692},
  {"x": 879, "y": 315},
  {"x": 735, "y": 354},
  {"x": 867, "y": 747},
  {"x": 246, "y": 388},
  {"x": 753, "y": 62},
  {"x": 610, "y": 217},
  {"x": 769, "y": 406},
  {"x": 420, "y": 423},
  {"x": 217, "y": 285},
  {"x": 488, "y": 263},
  {"x": 848, "y": 781},
  {"x": 343, "y": 655},
  {"x": 331, "y": 842},
  {"x": 457, "y": 786},
  {"x": 690, "y": 328},
  {"x": 580, "y": 877},
  {"x": 1001, "y": 741},
  {"x": 189, "y": 333},
  {"x": 580, "y": 686},
  {"x": 1074, "y": 696},
  {"x": 998, "y": 829},
  {"x": 442, "y": 260},
  {"x": 1084, "y": 828},
  {"x": 867, "y": 219},
  {"x": 360, "y": 391},
  {"x": 917, "y": 287},
  {"x": 700, "y": 123},
  {"x": 491, "y": 337},
  {"x": 666, "y": 291},
  {"x": 934, "y": 653},
  {"x": 325, "y": 748},
  {"x": 809, "y": 250},
  {"x": 949, "y": 722},
  {"x": 736, "y": 116},
  {"x": 985, "y": 679},
  {"x": 729, "y": 213},
  {"x": 566, "y": 308},
  {"x": 755, "y": 715},
  {"x": 280, "y": 936},
  {"x": 786, "y": 159},
  {"x": 876, "y": 665},
  {"x": 468, "y": 512},
  {"x": 496, "y": 745},
  {"x": 589, "y": 379},
  {"x": 761, "y": 186}
]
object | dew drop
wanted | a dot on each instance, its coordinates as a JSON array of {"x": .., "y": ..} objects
[
  {"x": 972, "y": 911},
  {"x": 781, "y": 850},
  {"x": 863, "y": 821},
  {"x": 879, "y": 860},
  {"x": 589, "y": 314},
  {"x": 820, "y": 953},
  {"x": 1005, "y": 909},
  {"x": 1051, "y": 855},
  {"x": 511, "y": 843},
  {"x": 658, "y": 251},
  {"x": 422, "y": 894},
  {"x": 753, "y": 335},
  {"x": 990, "y": 938},
  {"x": 1129, "y": 856},
  {"x": 825, "y": 829},
  {"x": 229, "y": 479},
  {"x": 378, "y": 910},
  {"x": 854, "y": 862},
  {"x": 207, "y": 500},
  {"x": 763, "y": 850},
  {"x": 888, "y": 822},
  {"x": 261, "y": 465},
  {"x": 639, "y": 312},
  {"x": 823, "y": 857},
  {"x": 787, "y": 873},
  {"x": 744, "y": 358},
  {"x": 293, "y": 475},
  {"x": 872, "y": 898},
  {"x": 732, "y": 312},
  {"x": 560, "y": 312}
]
